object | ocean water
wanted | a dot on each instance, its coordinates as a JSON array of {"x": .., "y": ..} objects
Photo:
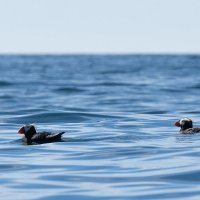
[{"x": 118, "y": 112}]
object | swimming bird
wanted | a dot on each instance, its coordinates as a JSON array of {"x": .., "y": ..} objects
[
  {"x": 31, "y": 136},
  {"x": 186, "y": 126}
]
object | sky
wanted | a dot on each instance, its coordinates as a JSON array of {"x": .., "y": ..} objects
[{"x": 99, "y": 26}]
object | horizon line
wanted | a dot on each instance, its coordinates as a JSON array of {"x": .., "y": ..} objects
[{"x": 99, "y": 53}]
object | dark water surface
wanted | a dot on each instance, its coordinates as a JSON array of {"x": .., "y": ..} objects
[{"x": 118, "y": 112}]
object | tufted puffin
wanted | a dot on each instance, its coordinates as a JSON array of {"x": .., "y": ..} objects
[
  {"x": 33, "y": 137},
  {"x": 186, "y": 126}
]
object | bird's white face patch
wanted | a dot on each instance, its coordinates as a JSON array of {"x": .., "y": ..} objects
[
  {"x": 185, "y": 119},
  {"x": 27, "y": 127}
]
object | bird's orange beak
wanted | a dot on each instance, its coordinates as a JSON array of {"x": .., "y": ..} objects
[
  {"x": 21, "y": 130},
  {"x": 177, "y": 123}
]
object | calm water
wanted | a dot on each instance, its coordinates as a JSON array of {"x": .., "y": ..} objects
[{"x": 118, "y": 112}]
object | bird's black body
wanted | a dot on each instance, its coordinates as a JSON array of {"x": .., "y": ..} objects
[
  {"x": 33, "y": 137},
  {"x": 190, "y": 131}
]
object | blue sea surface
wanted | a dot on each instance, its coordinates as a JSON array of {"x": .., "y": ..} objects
[{"x": 118, "y": 112}]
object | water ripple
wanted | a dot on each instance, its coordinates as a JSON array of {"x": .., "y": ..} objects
[{"x": 118, "y": 112}]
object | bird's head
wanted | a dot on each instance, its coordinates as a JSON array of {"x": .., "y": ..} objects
[
  {"x": 28, "y": 129},
  {"x": 184, "y": 123}
]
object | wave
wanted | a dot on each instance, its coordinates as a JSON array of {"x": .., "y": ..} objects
[
  {"x": 5, "y": 96},
  {"x": 5, "y": 83},
  {"x": 111, "y": 84},
  {"x": 69, "y": 89},
  {"x": 172, "y": 90},
  {"x": 195, "y": 86},
  {"x": 58, "y": 117}
]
